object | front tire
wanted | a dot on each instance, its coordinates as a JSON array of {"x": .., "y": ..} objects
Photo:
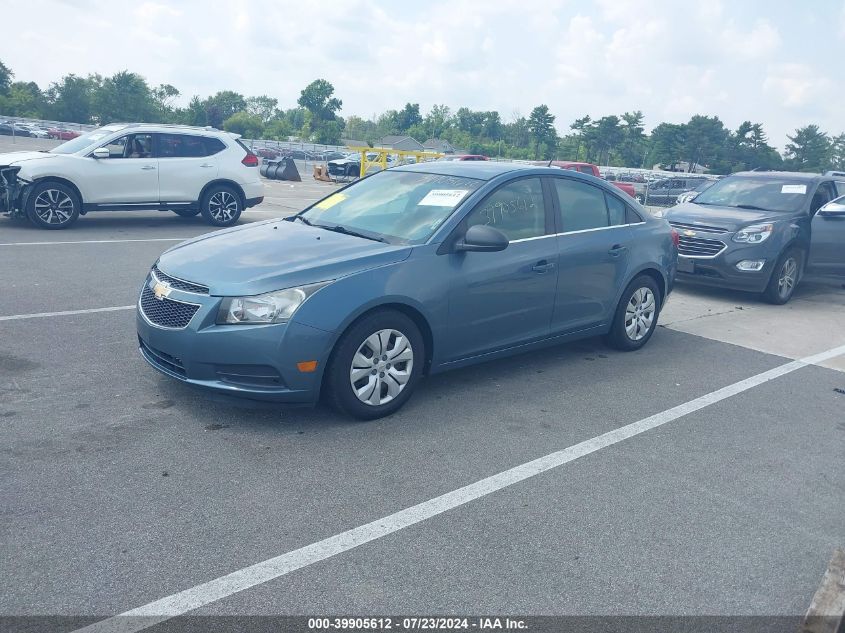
[
  {"x": 636, "y": 315},
  {"x": 376, "y": 366},
  {"x": 221, "y": 206},
  {"x": 784, "y": 278},
  {"x": 53, "y": 205}
]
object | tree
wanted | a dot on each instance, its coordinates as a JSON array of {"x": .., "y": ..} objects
[
  {"x": 24, "y": 99},
  {"x": 163, "y": 98},
  {"x": 195, "y": 113},
  {"x": 263, "y": 107},
  {"x": 667, "y": 145},
  {"x": 705, "y": 141},
  {"x": 601, "y": 137},
  {"x": 408, "y": 117},
  {"x": 632, "y": 150},
  {"x": 317, "y": 99},
  {"x": 222, "y": 106},
  {"x": 124, "y": 96},
  {"x": 6, "y": 76},
  {"x": 438, "y": 120},
  {"x": 837, "y": 152},
  {"x": 245, "y": 124},
  {"x": 579, "y": 126},
  {"x": 278, "y": 129},
  {"x": 809, "y": 149},
  {"x": 70, "y": 98},
  {"x": 542, "y": 130}
]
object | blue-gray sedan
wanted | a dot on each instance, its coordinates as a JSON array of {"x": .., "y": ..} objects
[{"x": 411, "y": 271}]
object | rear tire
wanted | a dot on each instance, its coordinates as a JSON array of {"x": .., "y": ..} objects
[
  {"x": 375, "y": 366},
  {"x": 186, "y": 213},
  {"x": 785, "y": 277},
  {"x": 636, "y": 315},
  {"x": 221, "y": 206},
  {"x": 53, "y": 205}
]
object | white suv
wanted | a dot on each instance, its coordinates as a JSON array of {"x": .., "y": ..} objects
[{"x": 134, "y": 166}]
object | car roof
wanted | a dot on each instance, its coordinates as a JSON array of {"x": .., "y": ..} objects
[
  {"x": 479, "y": 169},
  {"x": 779, "y": 175}
]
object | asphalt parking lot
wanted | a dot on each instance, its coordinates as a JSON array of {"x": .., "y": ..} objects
[{"x": 119, "y": 487}]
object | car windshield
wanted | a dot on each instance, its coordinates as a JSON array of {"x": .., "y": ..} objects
[
  {"x": 747, "y": 192},
  {"x": 398, "y": 206},
  {"x": 81, "y": 142}
]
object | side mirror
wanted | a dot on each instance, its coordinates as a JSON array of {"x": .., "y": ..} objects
[
  {"x": 483, "y": 239},
  {"x": 101, "y": 152},
  {"x": 833, "y": 210}
]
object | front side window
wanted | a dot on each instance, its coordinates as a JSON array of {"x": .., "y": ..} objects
[
  {"x": 399, "y": 206},
  {"x": 582, "y": 206},
  {"x": 131, "y": 146},
  {"x": 517, "y": 209}
]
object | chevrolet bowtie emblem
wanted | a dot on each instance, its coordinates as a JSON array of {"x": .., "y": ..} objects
[
  {"x": 161, "y": 290},
  {"x": 689, "y": 233}
]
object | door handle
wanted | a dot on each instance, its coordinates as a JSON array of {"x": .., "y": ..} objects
[
  {"x": 543, "y": 266},
  {"x": 617, "y": 249},
  {"x": 206, "y": 165},
  {"x": 148, "y": 167}
]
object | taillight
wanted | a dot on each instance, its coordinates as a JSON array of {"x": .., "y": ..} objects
[
  {"x": 676, "y": 238},
  {"x": 250, "y": 160}
]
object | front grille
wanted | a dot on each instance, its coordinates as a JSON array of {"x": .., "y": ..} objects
[
  {"x": 249, "y": 375},
  {"x": 161, "y": 359},
  {"x": 180, "y": 284},
  {"x": 699, "y": 246},
  {"x": 166, "y": 312},
  {"x": 699, "y": 227}
]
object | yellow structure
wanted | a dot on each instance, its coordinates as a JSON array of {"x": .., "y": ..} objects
[{"x": 383, "y": 152}]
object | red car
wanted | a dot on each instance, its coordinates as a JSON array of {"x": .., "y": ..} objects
[
  {"x": 62, "y": 134},
  {"x": 464, "y": 157},
  {"x": 589, "y": 168}
]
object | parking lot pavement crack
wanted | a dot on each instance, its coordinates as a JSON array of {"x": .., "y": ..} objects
[{"x": 703, "y": 316}]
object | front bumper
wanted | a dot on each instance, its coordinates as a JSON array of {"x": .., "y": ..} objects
[
  {"x": 721, "y": 271},
  {"x": 258, "y": 362}
]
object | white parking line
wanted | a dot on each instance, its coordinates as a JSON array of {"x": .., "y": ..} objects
[
  {"x": 41, "y": 315},
  {"x": 156, "y": 239},
  {"x": 184, "y": 601}
]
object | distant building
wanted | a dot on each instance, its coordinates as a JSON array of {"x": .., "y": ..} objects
[
  {"x": 348, "y": 142},
  {"x": 439, "y": 145},
  {"x": 403, "y": 143}
]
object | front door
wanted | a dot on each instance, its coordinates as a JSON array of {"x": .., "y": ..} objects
[
  {"x": 499, "y": 300},
  {"x": 594, "y": 245},
  {"x": 827, "y": 241},
  {"x": 129, "y": 176}
]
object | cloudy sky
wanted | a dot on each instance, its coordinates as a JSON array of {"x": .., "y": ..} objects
[{"x": 778, "y": 62}]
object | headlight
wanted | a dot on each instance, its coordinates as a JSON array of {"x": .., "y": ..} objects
[
  {"x": 659, "y": 213},
  {"x": 754, "y": 234},
  {"x": 273, "y": 307}
]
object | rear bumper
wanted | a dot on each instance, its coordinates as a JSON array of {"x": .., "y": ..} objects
[{"x": 253, "y": 202}]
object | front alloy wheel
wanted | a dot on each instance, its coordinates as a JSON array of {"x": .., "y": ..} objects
[
  {"x": 785, "y": 278},
  {"x": 639, "y": 314},
  {"x": 53, "y": 205}
]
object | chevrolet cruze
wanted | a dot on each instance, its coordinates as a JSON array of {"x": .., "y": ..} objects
[{"x": 412, "y": 271}]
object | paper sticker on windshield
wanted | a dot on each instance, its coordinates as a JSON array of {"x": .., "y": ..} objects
[
  {"x": 443, "y": 197},
  {"x": 793, "y": 189},
  {"x": 329, "y": 202}
]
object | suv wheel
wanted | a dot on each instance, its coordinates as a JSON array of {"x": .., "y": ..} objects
[
  {"x": 636, "y": 315},
  {"x": 375, "y": 366},
  {"x": 53, "y": 205},
  {"x": 784, "y": 278},
  {"x": 221, "y": 206}
]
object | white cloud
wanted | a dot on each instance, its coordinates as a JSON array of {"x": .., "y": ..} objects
[{"x": 796, "y": 85}]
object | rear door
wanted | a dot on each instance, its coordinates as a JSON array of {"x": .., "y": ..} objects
[
  {"x": 187, "y": 163},
  {"x": 594, "y": 242},
  {"x": 499, "y": 300}
]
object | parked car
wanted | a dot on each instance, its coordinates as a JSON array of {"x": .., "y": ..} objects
[
  {"x": 6, "y": 129},
  {"x": 752, "y": 231},
  {"x": 689, "y": 196},
  {"x": 463, "y": 157},
  {"x": 665, "y": 192},
  {"x": 9, "y": 128},
  {"x": 413, "y": 271},
  {"x": 62, "y": 134},
  {"x": 133, "y": 167},
  {"x": 345, "y": 167},
  {"x": 265, "y": 152},
  {"x": 33, "y": 131},
  {"x": 593, "y": 170}
]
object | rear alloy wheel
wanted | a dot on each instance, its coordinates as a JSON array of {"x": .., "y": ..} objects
[
  {"x": 53, "y": 205},
  {"x": 221, "y": 206},
  {"x": 376, "y": 365},
  {"x": 636, "y": 315},
  {"x": 784, "y": 278}
]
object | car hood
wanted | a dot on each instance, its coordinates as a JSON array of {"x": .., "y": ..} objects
[
  {"x": 16, "y": 158},
  {"x": 267, "y": 256},
  {"x": 728, "y": 218}
]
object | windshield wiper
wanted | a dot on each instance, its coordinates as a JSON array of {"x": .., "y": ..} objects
[
  {"x": 302, "y": 218},
  {"x": 338, "y": 228},
  {"x": 752, "y": 207}
]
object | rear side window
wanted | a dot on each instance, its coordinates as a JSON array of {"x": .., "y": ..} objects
[
  {"x": 213, "y": 145},
  {"x": 582, "y": 206},
  {"x": 584, "y": 169},
  {"x": 181, "y": 146},
  {"x": 615, "y": 210}
]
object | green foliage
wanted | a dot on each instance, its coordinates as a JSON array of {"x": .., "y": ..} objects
[
  {"x": 809, "y": 149},
  {"x": 23, "y": 100},
  {"x": 542, "y": 131},
  {"x": 124, "y": 96},
  {"x": 6, "y": 76},
  {"x": 246, "y": 124}
]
